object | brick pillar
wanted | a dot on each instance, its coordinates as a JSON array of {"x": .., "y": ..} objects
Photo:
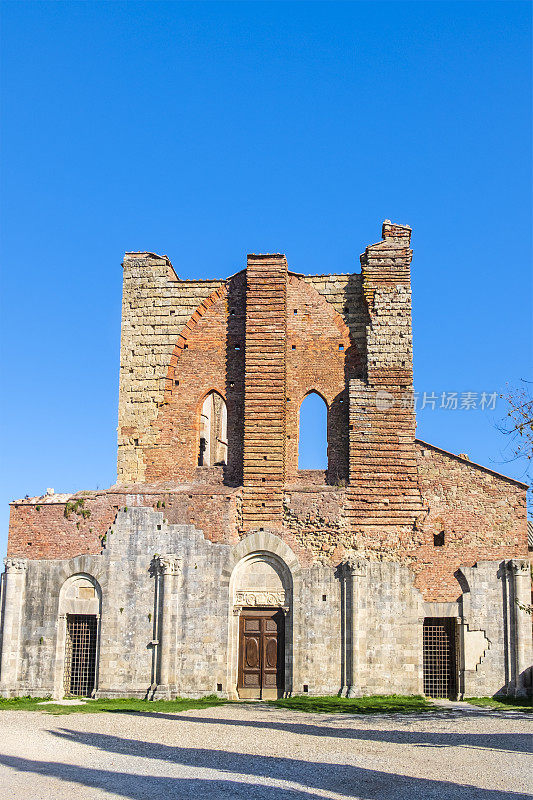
[
  {"x": 264, "y": 391},
  {"x": 384, "y": 488}
]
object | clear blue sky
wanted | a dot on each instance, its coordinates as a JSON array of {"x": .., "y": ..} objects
[{"x": 209, "y": 130}]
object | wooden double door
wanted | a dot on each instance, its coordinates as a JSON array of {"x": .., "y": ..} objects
[{"x": 261, "y": 655}]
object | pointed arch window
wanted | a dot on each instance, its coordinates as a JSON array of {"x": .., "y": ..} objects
[
  {"x": 213, "y": 445},
  {"x": 313, "y": 433}
]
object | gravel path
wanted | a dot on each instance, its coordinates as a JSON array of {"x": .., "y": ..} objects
[{"x": 255, "y": 751}]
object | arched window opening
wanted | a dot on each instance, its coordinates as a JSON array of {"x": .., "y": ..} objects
[
  {"x": 313, "y": 438},
  {"x": 213, "y": 448}
]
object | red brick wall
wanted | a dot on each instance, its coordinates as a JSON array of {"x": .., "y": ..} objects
[
  {"x": 320, "y": 357},
  {"x": 41, "y": 530},
  {"x": 483, "y": 516},
  {"x": 46, "y": 533},
  {"x": 204, "y": 360}
]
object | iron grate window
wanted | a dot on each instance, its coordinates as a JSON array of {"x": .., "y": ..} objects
[
  {"x": 80, "y": 655},
  {"x": 439, "y": 658}
]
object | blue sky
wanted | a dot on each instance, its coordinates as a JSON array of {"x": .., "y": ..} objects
[{"x": 209, "y": 130}]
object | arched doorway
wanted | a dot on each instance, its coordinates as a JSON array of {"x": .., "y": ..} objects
[
  {"x": 78, "y": 634},
  {"x": 261, "y": 601}
]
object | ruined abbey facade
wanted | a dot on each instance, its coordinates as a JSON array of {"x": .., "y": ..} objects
[{"x": 215, "y": 565}]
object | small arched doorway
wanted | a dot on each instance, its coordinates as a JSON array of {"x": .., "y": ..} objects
[
  {"x": 78, "y": 635},
  {"x": 261, "y": 589}
]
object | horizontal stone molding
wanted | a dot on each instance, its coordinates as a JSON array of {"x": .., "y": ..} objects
[{"x": 259, "y": 598}]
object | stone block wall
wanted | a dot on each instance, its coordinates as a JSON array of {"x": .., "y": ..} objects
[
  {"x": 129, "y": 609},
  {"x": 392, "y": 625},
  {"x": 357, "y": 631},
  {"x": 492, "y": 642},
  {"x": 317, "y": 632}
]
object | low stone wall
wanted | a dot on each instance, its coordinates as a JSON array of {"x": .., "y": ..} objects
[{"x": 167, "y": 619}]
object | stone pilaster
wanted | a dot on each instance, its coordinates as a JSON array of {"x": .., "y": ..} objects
[
  {"x": 169, "y": 568},
  {"x": 15, "y": 579},
  {"x": 521, "y": 573},
  {"x": 355, "y": 569}
]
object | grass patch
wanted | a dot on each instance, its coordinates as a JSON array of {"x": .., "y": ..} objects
[
  {"x": 98, "y": 706},
  {"x": 503, "y": 703},
  {"x": 374, "y": 704}
]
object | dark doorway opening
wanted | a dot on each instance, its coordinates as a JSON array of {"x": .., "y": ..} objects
[
  {"x": 261, "y": 655},
  {"x": 440, "y": 657},
  {"x": 80, "y": 655}
]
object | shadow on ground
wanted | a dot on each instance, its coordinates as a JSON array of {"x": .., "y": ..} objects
[
  {"x": 343, "y": 779},
  {"x": 509, "y": 742}
]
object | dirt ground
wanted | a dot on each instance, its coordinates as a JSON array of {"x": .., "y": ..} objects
[{"x": 253, "y": 751}]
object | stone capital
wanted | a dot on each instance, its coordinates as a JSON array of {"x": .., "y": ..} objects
[
  {"x": 520, "y": 566},
  {"x": 169, "y": 564},
  {"x": 355, "y": 565},
  {"x": 15, "y": 564}
]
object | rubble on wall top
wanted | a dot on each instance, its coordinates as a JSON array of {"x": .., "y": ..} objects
[
  {"x": 324, "y": 274},
  {"x": 396, "y": 225},
  {"x": 134, "y": 253},
  {"x": 45, "y": 499}
]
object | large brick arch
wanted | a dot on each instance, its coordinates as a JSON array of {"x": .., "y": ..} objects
[
  {"x": 208, "y": 356},
  {"x": 197, "y": 366},
  {"x": 318, "y": 364}
]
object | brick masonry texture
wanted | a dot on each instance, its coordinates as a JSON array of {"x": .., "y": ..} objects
[
  {"x": 482, "y": 516},
  {"x": 393, "y": 531},
  {"x": 265, "y": 392},
  {"x": 264, "y": 339}
]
